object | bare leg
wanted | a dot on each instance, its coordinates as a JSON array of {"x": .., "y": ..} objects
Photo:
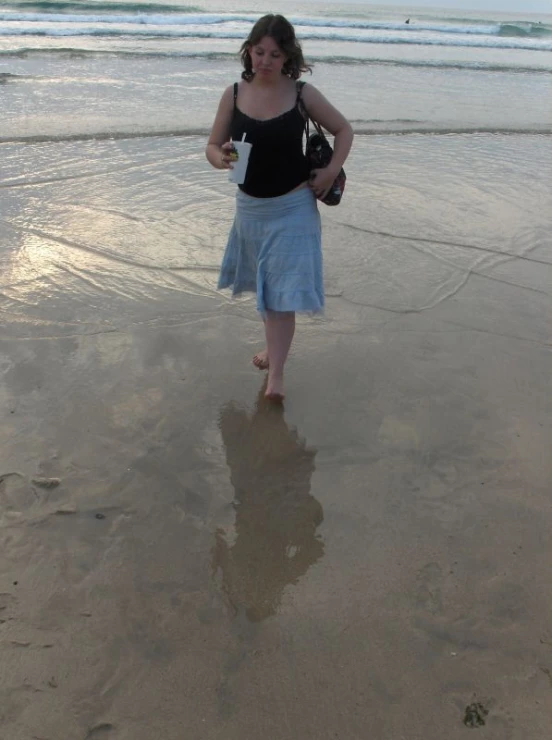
[
  {"x": 279, "y": 330},
  {"x": 260, "y": 360}
]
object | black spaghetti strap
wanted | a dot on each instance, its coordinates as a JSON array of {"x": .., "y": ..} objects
[
  {"x": 235, "y": 95},
  {"x": 301, "y": 105}
]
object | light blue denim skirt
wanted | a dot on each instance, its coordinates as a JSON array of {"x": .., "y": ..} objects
[{"x": 274, "y": 250}]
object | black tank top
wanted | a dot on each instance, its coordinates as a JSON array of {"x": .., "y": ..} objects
[{"x": 277, "y": 163}]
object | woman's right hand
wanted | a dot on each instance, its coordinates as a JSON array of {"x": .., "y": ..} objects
[{"x": 226, "y": 160}]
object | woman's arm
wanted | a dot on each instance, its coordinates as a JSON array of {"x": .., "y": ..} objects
[
  {"x": 324, "y": 113},
  {"x": 219, "y": 145}
]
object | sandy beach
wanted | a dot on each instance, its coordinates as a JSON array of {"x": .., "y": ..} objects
[{"x": 181, "y": 560}]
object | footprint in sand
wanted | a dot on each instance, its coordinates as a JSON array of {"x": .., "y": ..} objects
[
  {"x": 7, "y": 604},
  {"x": 16, "y": 494},
  {"x": 429, "y": 582}
]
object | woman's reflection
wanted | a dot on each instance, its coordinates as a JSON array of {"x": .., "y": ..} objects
[{"x": 275, "y": 540}]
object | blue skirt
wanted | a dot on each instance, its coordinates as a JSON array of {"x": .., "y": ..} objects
[{"x": 274, "y": 250}]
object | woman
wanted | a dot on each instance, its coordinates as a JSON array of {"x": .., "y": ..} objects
[{"x": 274, "y": 247}]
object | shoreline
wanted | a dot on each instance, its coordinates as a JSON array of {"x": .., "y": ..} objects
[{"x": 390, "y": 128}]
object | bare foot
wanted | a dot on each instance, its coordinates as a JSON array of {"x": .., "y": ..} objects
[
  {"x": 261, "y": 360},
  {"x": 275, "y": 388}
]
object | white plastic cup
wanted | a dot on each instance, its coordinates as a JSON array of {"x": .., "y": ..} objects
[{"x": 239, "y": 167}]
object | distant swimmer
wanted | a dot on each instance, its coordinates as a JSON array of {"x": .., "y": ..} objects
[{"x": 407, "y": 20}]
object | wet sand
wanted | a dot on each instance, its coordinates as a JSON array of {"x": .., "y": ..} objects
[{"x": 181, "y": 560}]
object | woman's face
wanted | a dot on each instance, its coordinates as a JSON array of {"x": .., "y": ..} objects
[{"x": 267, "y": 58}]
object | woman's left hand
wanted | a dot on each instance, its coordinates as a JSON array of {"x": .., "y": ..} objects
[{"x": 321, "y": 180}]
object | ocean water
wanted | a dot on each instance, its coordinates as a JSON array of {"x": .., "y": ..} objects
[
  {"x": 109, "y": 208},
  {"x": 106, "y": 67}
]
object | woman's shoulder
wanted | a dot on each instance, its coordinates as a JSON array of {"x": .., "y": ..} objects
[
  {"x": 309, "y": 94},
  {"x": 229, "y": 91},
  {"x": 227, "y": 97},
  {"x": 308, "y": 89}
]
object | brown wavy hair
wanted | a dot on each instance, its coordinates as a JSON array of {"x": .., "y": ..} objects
[{"x": 282, "y": 32}]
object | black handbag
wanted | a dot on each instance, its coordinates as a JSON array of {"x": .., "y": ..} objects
[{"x": 318, "y": 152}]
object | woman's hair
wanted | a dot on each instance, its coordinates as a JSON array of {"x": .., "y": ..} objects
[{"x": 282, "y": 32}]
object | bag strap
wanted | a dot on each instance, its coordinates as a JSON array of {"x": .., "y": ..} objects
[
  {"x": 301, "y": 105},
  {"x": 299, "y": 87}
]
